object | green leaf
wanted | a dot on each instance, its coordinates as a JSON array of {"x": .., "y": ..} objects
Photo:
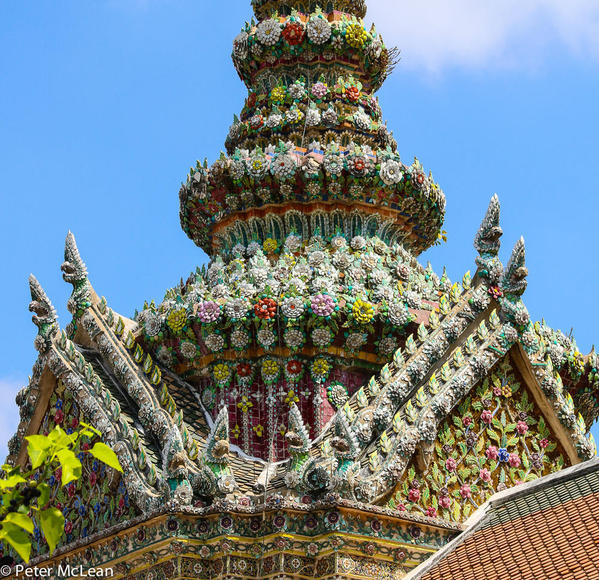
[
  {"x": 103, "y": 453},
  {"x": 456, "y": 511},
  {"x": 93, "y": 429},
  {"x": 60, "y": 439},
  {"x": 466, "y": 511},
  {"x": 70, "y": 464},
  {"x": 11, "y": 481},
  {"x": 21, "y": 520},
  {"x": 493, "y": 435},
  {"x": 464, "y": 473},
  {"x": 44, "y": 498},
  {"x": 18, "y": 539},
  {"x": 52, "y": 524},
  {"x": 38, "y": 448}
]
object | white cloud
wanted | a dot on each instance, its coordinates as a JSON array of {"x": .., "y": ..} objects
[
  {"x": 9, "y": 412},
  {"x": 436, "y": 34}
]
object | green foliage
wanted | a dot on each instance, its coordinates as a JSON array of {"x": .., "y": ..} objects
[{"x": 25, "y": 493}]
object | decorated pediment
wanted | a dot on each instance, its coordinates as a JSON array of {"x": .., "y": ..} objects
[{"x": 497, "y": 437}]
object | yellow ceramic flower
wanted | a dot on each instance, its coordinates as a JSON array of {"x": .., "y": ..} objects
[
  {"x": 177, "y": 319},
  {"x": 363, "y": 311},
  {"x": 258, "y": 430},
  {"x": 277, "y": 95},
  {"x": 257, "y": 164},
  {"x": 291, "y": 398},
  {"x": 236, "y": 431},
  {"x": 355, "y": 35},
  {"x": 245, "y": 404},
  {"x": 321, "y": 367},
  {"x": 221, "y": 372},
  {"x": 270, "y": 367},
  {"x": 270, "y": 245}
]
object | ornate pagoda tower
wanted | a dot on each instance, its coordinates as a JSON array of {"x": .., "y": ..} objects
[{"x": 314, "y": 403}]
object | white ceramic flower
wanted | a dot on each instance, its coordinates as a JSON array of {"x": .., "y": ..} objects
[
  {"x": 240, "y": 46},
  {"x": 237, "y": 308},
  {"x": 266, "y": 337},
  {"x": 322, "y": 337},
  {"x": 284, "y": 166},
  {"x": 152, "y": 325},
  {"x": 297, "y": 91},
  {"x": 338, "y": 242},
  {"x": 237, "y": 169},
  {"x": 358, "y": 243},
  {"x": 398, "y": 314},
  {"x": 294, "y": 338},
  {"x": 257, "y": 165},
  {"x": 330, "y": 116},
  {"x": 313, "y": 117},
  {"x": 333, "y": 163},
  {"x": 188, "y": 349},
  {"x": 293, "y": 242},
  {"x": 164, "y": 356},
  {"x": 253, "y": 248},
  {"x": 297, "y": 285},
  {"x": 391, "y": 172},
  {"x": 274, "y": 120},
  {"x": 239, "y": 339},
  {"x": 388, "y": 345},
  {"x": 214, "y": 342},
  {"x": 361, "y": 119},
  {"x": 269, "y": 32},
  {"x": 356, "y": 340},
  {"x": 315, "y": 258},
  {"x": 292, "y": 307},
  {"x": 318, "y": 30}
]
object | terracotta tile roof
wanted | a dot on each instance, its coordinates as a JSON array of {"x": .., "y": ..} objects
[{"x": 546, "y": 529}]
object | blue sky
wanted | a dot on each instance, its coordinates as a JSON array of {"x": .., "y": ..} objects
[{"x": 105, "y": 105}]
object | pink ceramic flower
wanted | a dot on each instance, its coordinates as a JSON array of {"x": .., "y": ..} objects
[
  {"x": 485, "y": 475},
  {"x": 208, "y": 311},
  {"x": 320, "y": 90},
  {"x": 544, "y": 443},
  {"x": 467, "y": 421},
  {"x": 414, "y": 494},
  {"x": 486, "y": 417},
  {"x": 451, "y": 464},
  {"x": 522, "y": 427},
  {"x": 445, "y": 501},
  {"x": 465, "y": 491},
  {"x": 322, "y": 305},
  {"x": 431, "y": 512},
  {"x": 514, "y": 460},
  {"x": 492, "y": 452}
]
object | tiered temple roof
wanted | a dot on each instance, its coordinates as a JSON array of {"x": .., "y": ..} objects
[{"x": 315, "y": 402}]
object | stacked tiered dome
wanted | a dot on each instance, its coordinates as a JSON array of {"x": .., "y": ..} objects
[{"x": 312, "y": 222}]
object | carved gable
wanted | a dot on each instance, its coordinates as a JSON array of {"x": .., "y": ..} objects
[
  {"x": 99, "y": 498},
  {"x": 494, "y": 439}
]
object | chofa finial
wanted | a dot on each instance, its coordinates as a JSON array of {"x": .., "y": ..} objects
[
  {"x": 487, "y": 243},
  {"x": 514, "y": 280},
  {"x": 73, "y": 267},
  {"x": 44, "y": 316},
  {"x": 74, "y": 272}
]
